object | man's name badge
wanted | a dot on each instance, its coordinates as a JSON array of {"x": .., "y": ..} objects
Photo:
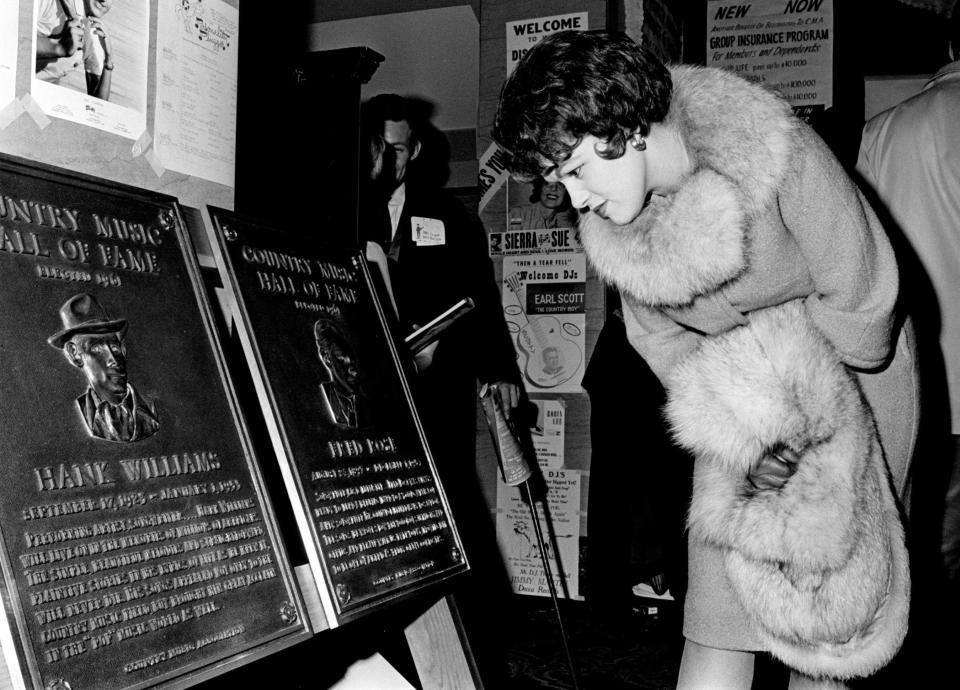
[{"x": 428, "y": 232}]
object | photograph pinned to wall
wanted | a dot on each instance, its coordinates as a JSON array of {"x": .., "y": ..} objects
[
  {"x": 518, "y": 541},
  {"x": 544, "y": 306},
  {"x": 9, "y": 22},
  {"x": 523, "y": 34},
  {"x": 101, "y": 79},
  {"x": 539, "y": 205},
  {"x": 195, "y": 124}
]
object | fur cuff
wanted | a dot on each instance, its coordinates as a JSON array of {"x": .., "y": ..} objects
[{"x": 819, "y": 564}]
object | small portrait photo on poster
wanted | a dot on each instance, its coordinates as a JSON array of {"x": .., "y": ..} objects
[{"x": 540, "y": 205}]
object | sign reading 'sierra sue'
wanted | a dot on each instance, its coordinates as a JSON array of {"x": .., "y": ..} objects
[
  {"x": 372, "y": 513},
  {"x": 138, "y": 546}
]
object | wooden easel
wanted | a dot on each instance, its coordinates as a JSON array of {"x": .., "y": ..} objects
[{"x": 438, "y": 645}]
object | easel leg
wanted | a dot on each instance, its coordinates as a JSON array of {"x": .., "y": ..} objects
[{"x": 440, "y": 650}]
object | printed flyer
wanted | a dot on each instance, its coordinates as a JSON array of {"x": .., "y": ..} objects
[
  {"x": 102, "y": 83},
  {"x": 785, "y": 44},
  {"x": 547, "y": 433},
  {"x": 523, "y": 34},
  {"x": 541, "y": 241},
  {"x": 9, "y": 13},
  {"x": 561, "y": 535},
  {"x": 195, "y": 128},
  {"x": 544, "y": 306}
]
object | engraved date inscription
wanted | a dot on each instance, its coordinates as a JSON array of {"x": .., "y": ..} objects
[{"x": 134, "y": 562}]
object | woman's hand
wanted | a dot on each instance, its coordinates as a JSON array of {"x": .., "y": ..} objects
[
  {"x": 71, "y": 37},
  {"x": 98, "y": 85},
  {"x": 773, "y": 469},
  {"x": 97, "y": 29}
]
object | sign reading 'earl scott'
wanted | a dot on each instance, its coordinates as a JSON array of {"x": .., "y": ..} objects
[
  {"x": 372, "y": 514},
  {"x": 138, "y": 547}
]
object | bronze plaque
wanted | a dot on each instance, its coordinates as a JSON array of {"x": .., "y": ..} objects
[
  {"x": 138, "y": 546},
  {"x": 373, "y": 515}
]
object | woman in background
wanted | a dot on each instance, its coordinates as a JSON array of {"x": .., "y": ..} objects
[{"x": 549, "y": 208}]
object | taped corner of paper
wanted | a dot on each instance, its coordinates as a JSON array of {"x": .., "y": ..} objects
[
  {"x": 142, "y": 143},
  {"x": 34, "y": 110},
  {"x": 155, "y": 163}
]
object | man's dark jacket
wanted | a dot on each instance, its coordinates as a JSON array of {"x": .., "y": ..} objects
[{"x": 426, "y": 280}]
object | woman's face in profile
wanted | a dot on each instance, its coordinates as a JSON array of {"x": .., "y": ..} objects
[{"x": 613, "y": 188}]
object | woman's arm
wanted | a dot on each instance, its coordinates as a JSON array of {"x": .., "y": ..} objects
[
  {"x": 98, "y": 85},
  {"x": 848, "y": 255},
  {"x": 661, "y": 341}
]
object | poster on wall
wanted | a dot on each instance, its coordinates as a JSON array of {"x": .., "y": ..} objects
[
  {"x": 9, "y": 21},
  {"x": 539, "y": 205},
  {"x": 786, "y": 45},
  {"x": 523, "y": 34},
  {"x": 544, "y": 306},
  {"x": 547, "y": 240},
  {"x": 560, "y": 524},
  {"x": 102, "y": 80},
  {"x": 195, "y": 125},
  {"x": 547, "y": 433},
  {"x": 491, "y": 174}
]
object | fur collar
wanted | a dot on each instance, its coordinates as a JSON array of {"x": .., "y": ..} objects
[{"x": 739, "y": 137}]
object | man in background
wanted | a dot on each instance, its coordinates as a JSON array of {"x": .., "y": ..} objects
[
  {"x": 437, "y": 255},
  {"x": 910, "y": 156}
]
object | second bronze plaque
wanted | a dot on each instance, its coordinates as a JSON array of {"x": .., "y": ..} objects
[{"x": 373, "y": 515}]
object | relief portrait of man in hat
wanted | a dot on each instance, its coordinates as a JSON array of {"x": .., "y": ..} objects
[{"x": 93, "y": 342}]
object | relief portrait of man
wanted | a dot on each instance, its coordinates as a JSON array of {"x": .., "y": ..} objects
[
  {"x": 91, "y": 341},
  {"x": 340, "y": 385}
]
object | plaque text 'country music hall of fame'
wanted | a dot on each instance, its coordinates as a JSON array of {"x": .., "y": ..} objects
[
  {"x": 330, "y": 381},
  {"x": 139, "y": 548}
]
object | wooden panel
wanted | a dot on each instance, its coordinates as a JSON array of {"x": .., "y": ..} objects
[{"x": 438, "y": 650}]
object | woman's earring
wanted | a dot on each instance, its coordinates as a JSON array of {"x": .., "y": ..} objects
[{"x": 638, "y": 142}]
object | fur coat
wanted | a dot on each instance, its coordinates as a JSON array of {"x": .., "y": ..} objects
[{"x": 819, "y": 565}]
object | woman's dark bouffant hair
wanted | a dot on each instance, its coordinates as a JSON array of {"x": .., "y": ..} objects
[{"x": 575, "y": 83}]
